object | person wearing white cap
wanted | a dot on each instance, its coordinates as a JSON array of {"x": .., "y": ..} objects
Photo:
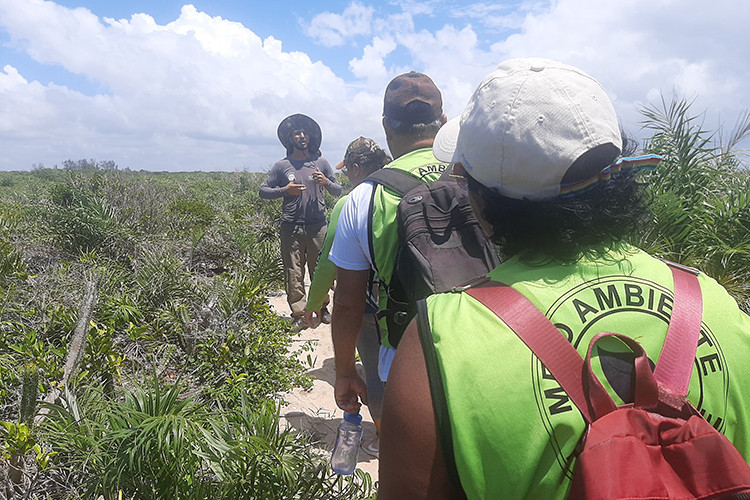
[
  {"x": 363, "y": 156},
  {"x": 469, "y": 411}
]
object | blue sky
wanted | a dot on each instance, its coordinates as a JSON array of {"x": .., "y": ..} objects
[{"x": 172, "y": 85}]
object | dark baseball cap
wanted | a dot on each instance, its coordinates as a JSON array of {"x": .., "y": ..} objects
[{"x": 413, "y": 98}]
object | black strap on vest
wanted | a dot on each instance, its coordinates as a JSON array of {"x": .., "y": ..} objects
[
  {"x": 437, "y": 391},
  {"x": 398, "y": 181}
]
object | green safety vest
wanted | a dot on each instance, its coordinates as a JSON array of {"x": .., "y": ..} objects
[{"x": 511, "y": 428}]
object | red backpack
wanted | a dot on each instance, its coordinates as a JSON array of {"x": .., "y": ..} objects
[{"x": 657, "y": 447}]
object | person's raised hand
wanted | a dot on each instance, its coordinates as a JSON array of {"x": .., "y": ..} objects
[
  {"x": 319, "y": 178},
  {"x": 294, "y": 189}
]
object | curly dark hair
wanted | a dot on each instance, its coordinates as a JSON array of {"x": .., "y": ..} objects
[{"x": 564, "y": 229}]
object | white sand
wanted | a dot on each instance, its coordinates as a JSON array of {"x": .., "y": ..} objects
[{"x": 315, "y": 411}]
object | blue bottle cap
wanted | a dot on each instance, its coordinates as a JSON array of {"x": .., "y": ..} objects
[{"x": 353, "y": 418}]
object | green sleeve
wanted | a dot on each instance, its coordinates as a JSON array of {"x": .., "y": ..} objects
[{"x": 325, "y": 270}]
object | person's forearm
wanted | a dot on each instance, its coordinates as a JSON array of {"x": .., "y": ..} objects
[
  {"x": 325, "y": 274},
  {"x": 346, "y": 321},
  {"x": 269, "y": 193},
  {"x": 333, "y": 187},
  {"x": 325, "y": 270}
]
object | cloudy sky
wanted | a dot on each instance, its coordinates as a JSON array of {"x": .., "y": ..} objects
[{"x": 169, "y": 85}]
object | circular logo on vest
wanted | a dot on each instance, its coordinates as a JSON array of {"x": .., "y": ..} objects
[
  {"x": 414, "y": 199},
  {"x": 612, "y": 304}
]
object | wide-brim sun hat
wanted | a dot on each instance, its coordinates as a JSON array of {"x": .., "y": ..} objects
[
  {"x": 299, "y": 121},
  {"x": 526, "y": 124}
]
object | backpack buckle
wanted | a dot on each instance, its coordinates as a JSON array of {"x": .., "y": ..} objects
[
  {"x": 400, "y": 317},
  {"x": 471, "y": 283}
]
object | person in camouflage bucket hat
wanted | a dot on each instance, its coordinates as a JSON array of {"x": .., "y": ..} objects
[
  {"x": 362, "y": 157},
  {"x": 365, "y": 155}
]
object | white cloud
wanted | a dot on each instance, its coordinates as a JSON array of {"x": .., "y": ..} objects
[
  {"x": 638, "y": 49},
  {"x": 641, "y": 48},
  {"x": 206, "y": 92},
  {"x": 506, "y": 16},
  {"x": 372, "y": 65},
  {"x": 209, "y": 84},
  {"x": 417, "y": 7},
  {"x": 331, "y": 30},
  {"x": 452, "y": 58}
]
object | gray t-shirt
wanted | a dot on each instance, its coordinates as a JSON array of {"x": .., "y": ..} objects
[{"x": 309, "y": 207}]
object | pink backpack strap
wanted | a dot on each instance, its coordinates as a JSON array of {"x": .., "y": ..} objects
[
  {"x": 676, "y": 359},
  {"x": 540, "y": 335},
  {"x": 567, "y": 365}
]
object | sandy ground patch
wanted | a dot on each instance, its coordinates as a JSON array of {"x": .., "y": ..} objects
[{"x": 315, "y": 410}]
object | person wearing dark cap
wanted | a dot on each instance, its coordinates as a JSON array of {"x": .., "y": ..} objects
[
  {"x": 363, "y": 156},
  {"x": 367, "y": 237},
  {"x": 299, "y": 179},
  {"x": 470, "y": 411}
]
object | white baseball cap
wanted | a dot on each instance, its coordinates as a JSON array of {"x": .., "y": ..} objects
[{"x": 526, "y": 124}]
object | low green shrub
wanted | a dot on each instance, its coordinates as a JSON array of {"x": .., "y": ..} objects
[{"x": 154, "y": 443}]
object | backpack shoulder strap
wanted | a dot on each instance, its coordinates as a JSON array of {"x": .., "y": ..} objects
[
  {"x": 566, "y": 364},
  {"x": 540, "y": 335},
  {"x": 437, "y": 392},
  {"x": 675, "y": 363},
  {"x": 396, "y": 180}
]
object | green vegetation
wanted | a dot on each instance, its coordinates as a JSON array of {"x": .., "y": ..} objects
[
  {"x": 701, "y": 197},
  {"x": 139, "y": 357},
  {"x": 158, "y": 444}
]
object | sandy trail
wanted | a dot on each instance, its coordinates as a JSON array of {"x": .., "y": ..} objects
[{"x": 315, "y": 411}]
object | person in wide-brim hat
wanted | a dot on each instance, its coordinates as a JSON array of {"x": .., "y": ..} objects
[
  {"x": 296, "y": 122},
  {"x": 301, "y": 179}
]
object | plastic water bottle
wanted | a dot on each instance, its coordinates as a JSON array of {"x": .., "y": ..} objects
[{"x": 346, "y": 448}]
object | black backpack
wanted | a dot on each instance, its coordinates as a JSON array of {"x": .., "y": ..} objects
[{"x": 441, "y": 245}]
